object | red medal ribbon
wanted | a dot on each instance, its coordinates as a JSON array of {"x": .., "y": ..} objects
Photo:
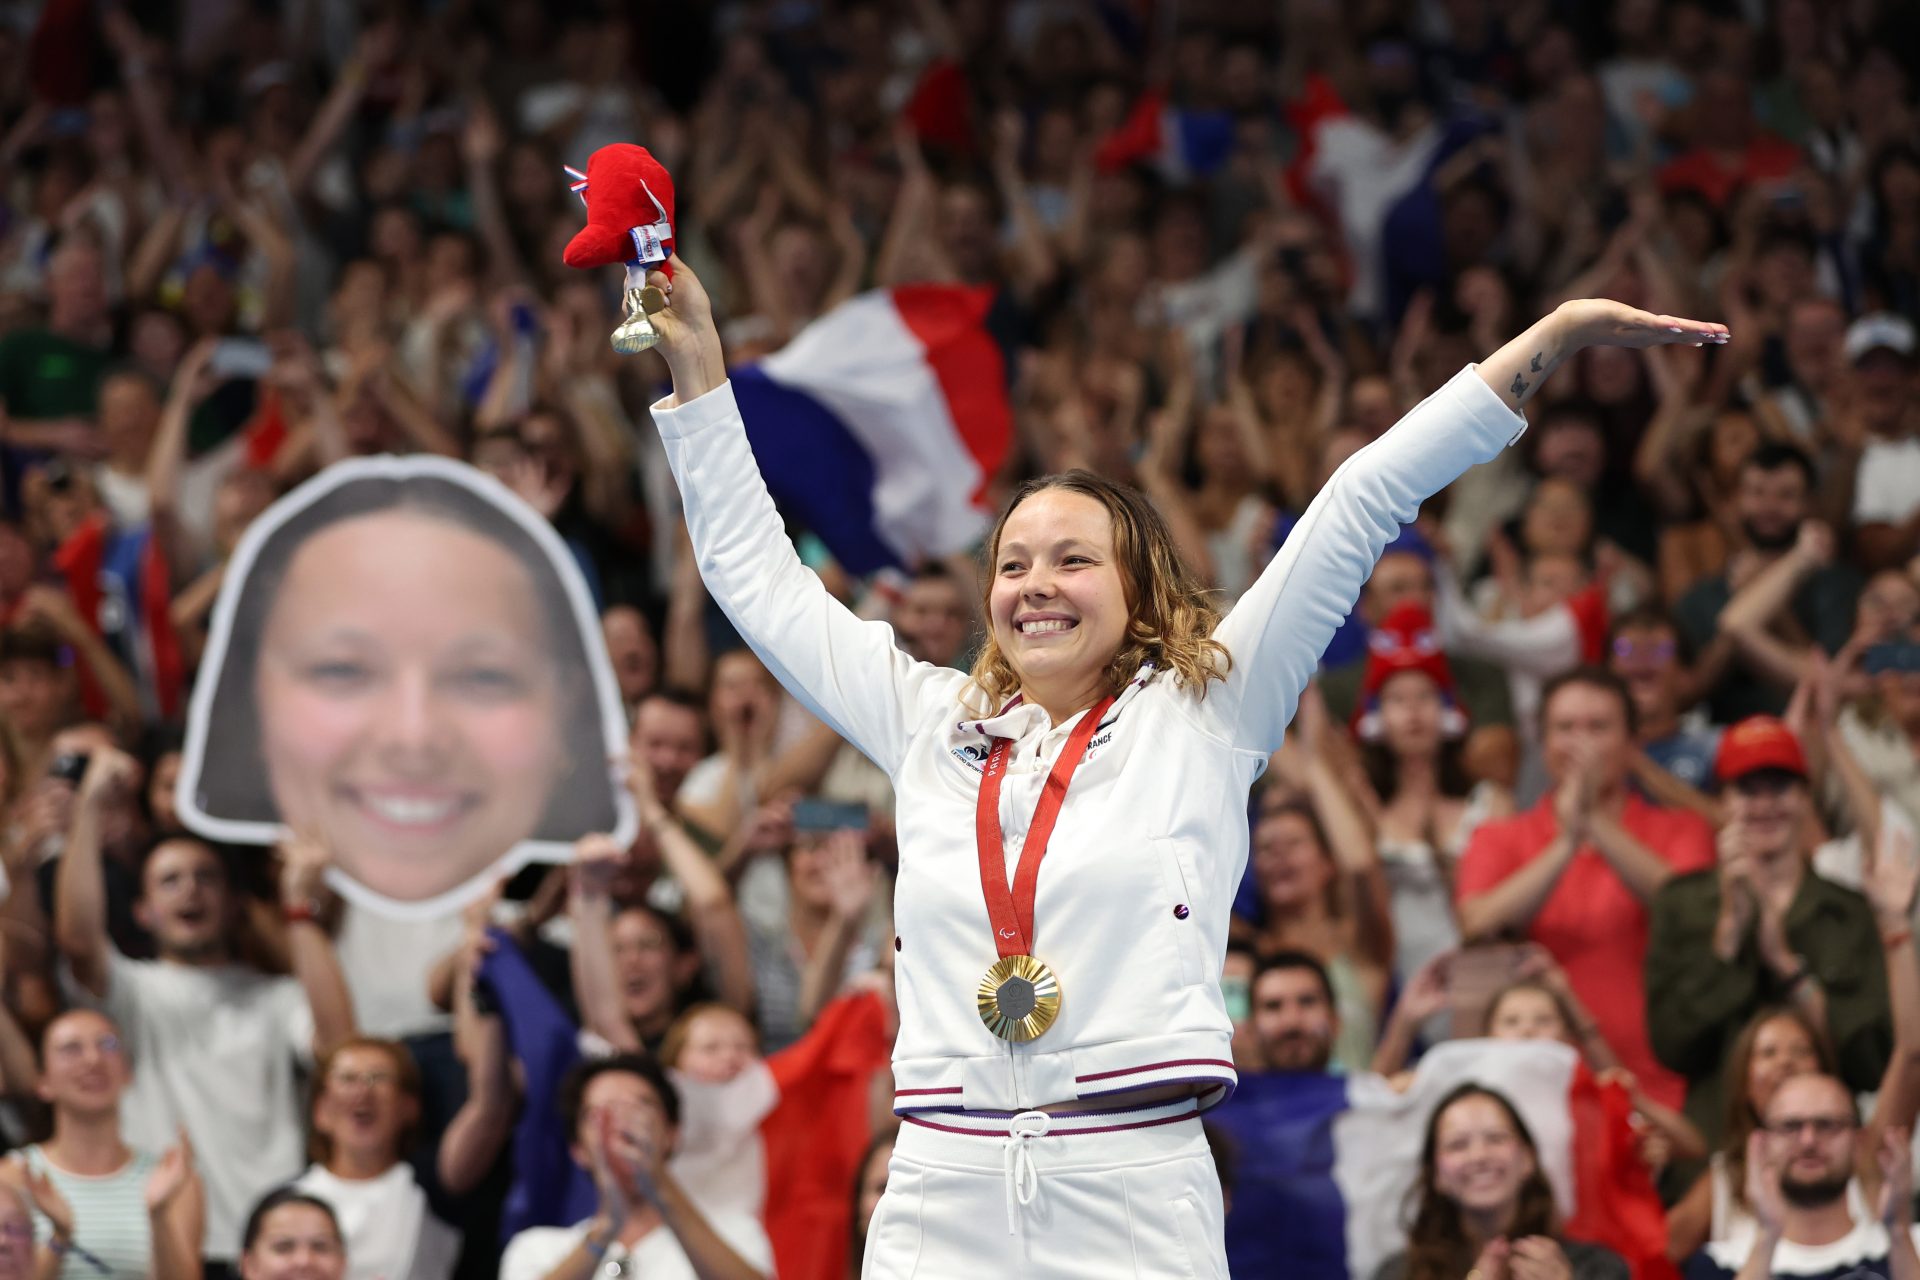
[{"x": 1011, "y": 910}]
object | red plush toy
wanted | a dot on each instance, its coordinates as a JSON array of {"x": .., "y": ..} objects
[{"x": 629, "y": 199}]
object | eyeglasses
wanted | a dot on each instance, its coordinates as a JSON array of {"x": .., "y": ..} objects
[
  {"x": 73, "y": 1050},
  {"x": 1661, "y": 649},
  {"x": 1822, "y": 1127},
  {"x": 355, "y": 1079}
]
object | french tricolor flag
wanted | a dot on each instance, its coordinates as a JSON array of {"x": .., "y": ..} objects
[
  {"x": 1181, "y": 144},
  {"x": 880, "y": 424},
  {"x": 1325, "y": 1165}
]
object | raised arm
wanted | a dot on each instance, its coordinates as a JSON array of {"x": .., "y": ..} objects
[
  {"x": 711, "y": 910},
  {"x": 303, "y": 866},
  {"x": 1890, "y": 888},
  {"x": 480, "y": 1129},
  {"x": 847, "y": 672},
  {"x": 80, "y": 888},
  {"x": 590, "y": 907},
  {"x": 1282, "y": 624}
]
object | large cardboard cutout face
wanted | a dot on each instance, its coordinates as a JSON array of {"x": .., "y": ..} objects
[{"x": 405, "y": 663}]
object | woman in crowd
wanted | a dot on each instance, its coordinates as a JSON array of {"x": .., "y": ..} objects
[
  {"x": 1412, "y": 733},
  {"x": 366, "y": 1108},
  {"x": 292, "y": 1236},
  {"x": 1482, "y": 1206},
  {"x": 131, "y": 1213}
]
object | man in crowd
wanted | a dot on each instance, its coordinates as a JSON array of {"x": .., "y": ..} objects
[
  {"x": 1760, "y": 930},
  {"x": 1575, "y": 872},
  {"x": 633, "y": 654},
  {"x": 1800, "y": 1180},
  {"x": 50, "y": 376},
  {"x": 1886, "y": 494},
  {"x": 624, "y": 1117},
  {"x": 934, "y": 617},
  {"x": 216, "y": 1041},
  {"x": 1283, "y": 1180},
  {"x": 1773, "y": 497}
]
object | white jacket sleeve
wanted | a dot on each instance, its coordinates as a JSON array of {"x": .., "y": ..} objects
[
  {"x": 1282, "y": 624},
  {"x": 849, "y": 673}
]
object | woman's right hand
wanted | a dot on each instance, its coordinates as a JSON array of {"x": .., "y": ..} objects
[
  {"x": 1602, "y": 322},
  {"x": 688, "y": 340}
]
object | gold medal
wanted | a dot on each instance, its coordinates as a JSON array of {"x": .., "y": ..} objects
[{"x": 1019, "y": 998}]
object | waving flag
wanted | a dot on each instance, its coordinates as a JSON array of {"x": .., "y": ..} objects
[
  {"x": 1325, "y": 1165},
  {"x": 1181, "y": 143},
  {"x": 880, "y": 424}
]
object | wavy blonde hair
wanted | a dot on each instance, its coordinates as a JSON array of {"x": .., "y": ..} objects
[{"x": 1171, "y": 619}]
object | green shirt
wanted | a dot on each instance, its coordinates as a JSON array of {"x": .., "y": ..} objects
[
  {"x": 1697, "y": 1003},
  {"x": 43, "y": 375}
]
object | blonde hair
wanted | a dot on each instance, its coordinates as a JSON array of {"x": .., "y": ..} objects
[
  {"x": 1171, "y": 619},
  {"x": 675, "y": 1042}
]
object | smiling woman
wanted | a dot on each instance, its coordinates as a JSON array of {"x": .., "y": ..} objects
[
  {"x": 1061, "y": 1034},
  {"x": 404, "y": 670}
]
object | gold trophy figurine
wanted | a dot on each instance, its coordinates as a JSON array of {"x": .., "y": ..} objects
[
  {"x": 629, "y": 199},
  {"x": 636, "y": 333}
]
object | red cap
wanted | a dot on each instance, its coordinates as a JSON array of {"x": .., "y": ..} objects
[{"x": 1756, "y": 743}]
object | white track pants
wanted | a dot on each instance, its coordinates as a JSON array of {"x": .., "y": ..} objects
[{"x": 1083, "y": 1197}]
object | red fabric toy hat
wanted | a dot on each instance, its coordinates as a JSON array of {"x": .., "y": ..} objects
[
  {"x": 629, "y": 199},
  {"x": 1404, "y": 641},
  {"x": 1756, "y": 743}
]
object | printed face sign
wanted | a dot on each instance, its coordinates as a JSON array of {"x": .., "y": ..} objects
[{"x": 405, "y": 664}]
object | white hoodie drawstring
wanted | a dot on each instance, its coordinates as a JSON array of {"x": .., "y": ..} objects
[{"x": 1022, "y": 1178}]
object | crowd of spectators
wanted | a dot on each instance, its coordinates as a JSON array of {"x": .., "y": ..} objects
[{"x": 1621, "y": 746}]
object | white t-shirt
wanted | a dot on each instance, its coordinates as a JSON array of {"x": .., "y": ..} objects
[
  {"x": 390, "y": 1232},
  {"x": 385, "y": 963},
  {"x": 214, "y": 1050},
  {"x": 1886, "y": 489},
  {"x": 719, "y": 1158},
  {"x": 657, "y": 1255}
]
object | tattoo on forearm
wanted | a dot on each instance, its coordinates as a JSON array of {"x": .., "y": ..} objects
[{"x": 1520, "y": 384}]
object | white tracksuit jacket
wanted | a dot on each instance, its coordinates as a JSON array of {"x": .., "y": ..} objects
[{"x": 1133, "y": 899}]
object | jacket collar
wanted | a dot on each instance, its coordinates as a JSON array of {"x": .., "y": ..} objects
[{"x": 1019, "y": 719}]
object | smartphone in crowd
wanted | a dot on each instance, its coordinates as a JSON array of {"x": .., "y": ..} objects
[
  {"x": 1475, "y": 975},
  {"x": 240, "y": 358},
  {"x": 811, "y": 816},
  {"x": 70, "y": 767}
]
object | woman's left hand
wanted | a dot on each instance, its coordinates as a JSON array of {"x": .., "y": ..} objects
[
  {"x": 1539, "y": 1258},
  {"x": 1602, "y": 322}
]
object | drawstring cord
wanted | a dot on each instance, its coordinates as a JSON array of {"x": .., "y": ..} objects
[{"x": 1022, "y": 1178}]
